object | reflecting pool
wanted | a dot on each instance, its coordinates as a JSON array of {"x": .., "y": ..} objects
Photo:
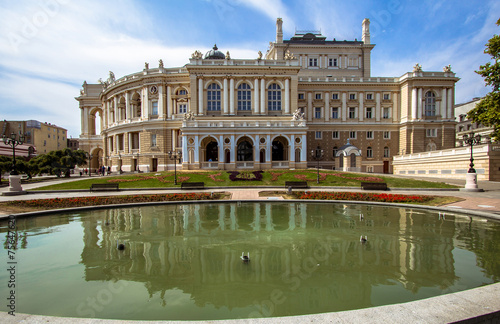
[{"x": 183, "y": 262}]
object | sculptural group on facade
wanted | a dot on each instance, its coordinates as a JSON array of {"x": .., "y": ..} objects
[
  {"x": 189, "y": 116},
  {"x": 289, "y": 55},
  {"x": 197, "y": 55},
  {"x": 160, "y": 64},
  {"x": 447, "y": 68},
  {"x": 298, "y": 115},
  {"x": 417, "y": 68}
]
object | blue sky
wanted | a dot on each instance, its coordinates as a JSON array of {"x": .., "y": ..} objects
[{"x": 49, "y": 47}]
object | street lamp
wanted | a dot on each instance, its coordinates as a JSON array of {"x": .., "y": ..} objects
[
  {"x": 471, "y": 140},
  {"x": 12, "y": 141},
  {"x": 318, "y": 155},
  {"x": 90, "y": 157},
  {"x": 175, "y": 156},
  {"x": 120, "y": 163}
]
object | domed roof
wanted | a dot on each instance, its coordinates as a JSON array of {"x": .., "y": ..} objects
[{"x": 215, "y": 54}]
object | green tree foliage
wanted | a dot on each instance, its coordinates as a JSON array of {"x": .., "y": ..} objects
[
  {"x": 59, "y": 162},
  {"x": 487, "y": 111},
  {"x": 5, "y": 165}
]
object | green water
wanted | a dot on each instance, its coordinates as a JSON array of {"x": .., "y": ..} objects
[{"x": 183, "y": 261}]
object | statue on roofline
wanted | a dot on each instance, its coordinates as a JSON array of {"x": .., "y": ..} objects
[
  {"x": 146, "y": 66},
  {"x": 298, "y": 115},
  {"x": 189, "y": 116},
  {"x": 260, "y": 55},
  {"x": 289, "y": 55},
  {"x": 447, "y": 68},
  {"x": 417, "y": 68},
  {"x": 228, "y": 57},
  {"x": 160, "y": 64},
  {"x": 196, "y": 55}
]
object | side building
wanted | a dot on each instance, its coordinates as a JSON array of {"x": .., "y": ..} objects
[{"x": 278, "y": 110}]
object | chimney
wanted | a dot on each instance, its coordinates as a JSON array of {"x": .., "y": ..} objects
[
  {"x": 366, "y": 31},
  {"x": 279, "y": 30}
]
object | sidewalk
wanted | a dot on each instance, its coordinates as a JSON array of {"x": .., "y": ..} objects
[{"x": 489, "y": 200}]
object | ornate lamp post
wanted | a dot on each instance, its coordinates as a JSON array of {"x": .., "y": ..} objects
[
  {"x": 12, "y": 141},
  {"x": 471, "y": 177},
  {"x": 318, "y": 155},
  {"x": 120, "y": 163},
  {"x": 90, "y": 157},
  {"x": 472, "y": 140},
  {"x": 175, "y": 156}
]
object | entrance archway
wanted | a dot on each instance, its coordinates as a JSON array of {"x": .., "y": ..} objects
[
  {"x": 244, "y": 150},
  {"x": 279, "y": 149}
]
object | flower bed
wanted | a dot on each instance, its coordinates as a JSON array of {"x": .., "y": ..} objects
[
  {"x": 245, "y": 176},
  {"x": 95, "y": 201},
  {"x": 214, "y": 177},
  {"x": 357, "y": 196}
]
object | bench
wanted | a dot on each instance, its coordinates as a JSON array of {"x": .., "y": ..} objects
[
  {"x": 296, "y": 184},
  {"x": 193, "y": 185},
  {"x": 374, "y": 185},
  {"x": 104, "y": 186}
]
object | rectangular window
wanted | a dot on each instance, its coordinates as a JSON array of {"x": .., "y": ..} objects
[
  {"x": 318, "y": 135},
  {"x": 387, "y": 96},
  {"x": 386, "y": 112},
  {"x": 154, "y": 109},
  {"x": 352, "y": 134},
  {"x": 333, "y": 62},
  {"x": 301, "y": 96},
  {"x": 387, "y": 152},
  {"x": 335, "y": 96},
  {"x": 44, "y": 143},
  {"x": 318, "y": 96},
  {"x": 335, "y": 135},
  {"x": 352, "y": 112},
  {"x": 352, "y": 96},
  {"x": 387, "y": 135},
  {"x": 317, "y": 112},
  {"x": 49, "y": 135},
  {"x": 369, "y": 96},
  {"x": 313, "y": 62},
  {"x": 335, "y": 113},
  {"x": 369, "y": 135},
  {"x": 182, "y": 108},
  {"x": 369, "y": 113},
  {"x": 369, "y": 152},
  {"x": 431, "y": 132},
  {"x": 153, "y": 139}
]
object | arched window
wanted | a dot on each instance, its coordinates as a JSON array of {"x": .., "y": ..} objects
[
  {"x": 353, "y": 160},
  {"x": 274, "y": 97},
  {"x": 244, "y": 97},
  {"x": 277, "y": 151},
  {"x": 213, "y": 97},
  {"x": 369, "y": 152},
  {"x": 212, "y": 152},
  {"x": 245, "y": 151},
  {"x": 430, "y": 104},
  {"x": 387, "y": 152}
]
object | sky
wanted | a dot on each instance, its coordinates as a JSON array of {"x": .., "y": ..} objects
[{"x": 48, "y": 48}]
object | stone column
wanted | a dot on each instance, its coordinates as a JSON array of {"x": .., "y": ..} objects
[
  {"x": 174, "y": 139},
  {"x": 118, "y": 113},
  {"x": 233, "y": 150},
  {"x": 287, "y": 96},
  {"x": 196, "y": 149},
  {"x": 200, "y": 96},
  {"x": 256, "y": 96},
  {"x": 395, "y": 108},
  {"x": 262, "y": 96},
  {"x": 344, "y": 106},
  {"x": 377, "y": 106},
  {"x": 414, "y": 103},
  {"x": 419, "y": 104},
  {"x": 361, "y": 108},
  {"x": 309, "y": 106},
  {"x": 224, "y": 96},
  {"x": 303, "y": 150},
  {"x": 268, "y": 148},
  {"x": 169, "y": 102},
  {"x": 128, "y": 113},
  {"x": 231, "y": 96},
  {"x": 444, "y": 106},
  {"x": 160, "y": 101},
  {"x": 145, "y": 103},
  {"x": 327, "y": 107},
  {"x": 449, "y": 102}
]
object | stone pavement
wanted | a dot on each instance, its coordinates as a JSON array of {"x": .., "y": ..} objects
[{"x": 488, "y": 201}]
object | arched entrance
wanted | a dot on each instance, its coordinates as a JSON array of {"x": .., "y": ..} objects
[
  {"x": 244, "y": 153},
  {"x": 244, "y": 150},
  {"x": 280, "y": 149}
]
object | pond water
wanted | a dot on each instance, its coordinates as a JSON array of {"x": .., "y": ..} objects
[{"x": 183, "y": 262}]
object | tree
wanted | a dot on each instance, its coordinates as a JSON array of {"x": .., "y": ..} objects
[
  {"x": 57, "y": 162},
  {"x": 5, "y": 165},
  {"x": 487, "y": 111}
]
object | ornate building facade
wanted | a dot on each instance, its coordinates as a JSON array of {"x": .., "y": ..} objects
[{"x": 305, "y": 95}]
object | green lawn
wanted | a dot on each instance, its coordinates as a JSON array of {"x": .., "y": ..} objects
[{"x": 221, "y": 179}]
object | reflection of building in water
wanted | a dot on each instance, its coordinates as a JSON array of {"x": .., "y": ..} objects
[{"x": 197, "y": 248}]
